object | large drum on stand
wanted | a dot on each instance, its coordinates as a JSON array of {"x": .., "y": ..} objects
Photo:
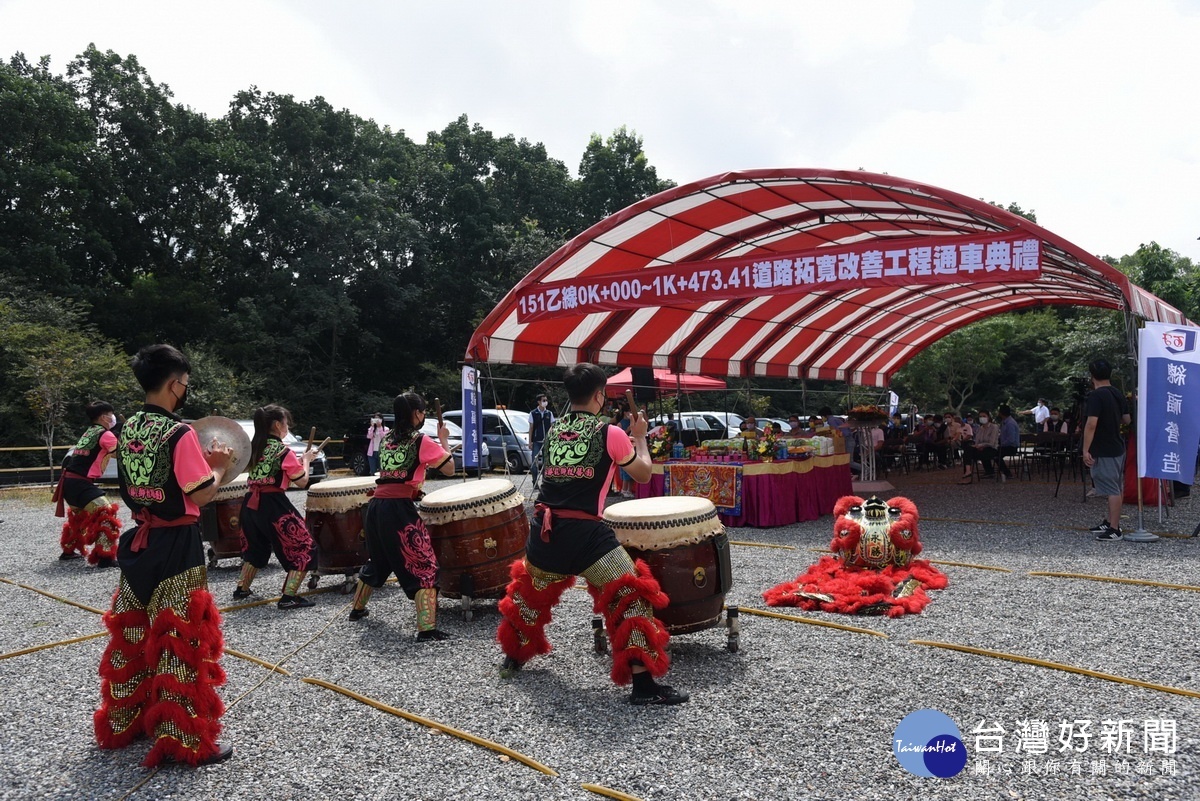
[
  {"x": 478, "y": 528},
  {"x": 221, "y": 522},
  {"x": 684, "y": 543},
  {"x": 334, "y": 512}
]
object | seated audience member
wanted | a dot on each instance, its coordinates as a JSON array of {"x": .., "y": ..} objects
[
  {"x": 749, "y": 424},
  {"x": 1055, "y": 423},
  {"x": 795, "y": 427},
  {"x": 1010, "y": 440},
  {"x": 984, "y": 448}
]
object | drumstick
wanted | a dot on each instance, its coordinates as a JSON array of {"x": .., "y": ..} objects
[
  {"x": 312, "y": 434},
  {"x": 633, "y": 407},
  {"x": 437, "y": 410},
  {"x": 321, "y": 447}
]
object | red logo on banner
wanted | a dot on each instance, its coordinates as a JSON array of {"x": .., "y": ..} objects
[{"x": 989, "y": 258}]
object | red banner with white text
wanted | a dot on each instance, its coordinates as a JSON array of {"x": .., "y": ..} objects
[{"x": 987, "y": 258}]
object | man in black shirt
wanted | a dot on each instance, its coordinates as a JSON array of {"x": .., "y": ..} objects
[
  {"x": 1104, "y": 447},
  {"x": 540, "y": 420}
]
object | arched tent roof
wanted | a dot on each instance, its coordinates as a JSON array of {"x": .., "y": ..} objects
[{"x": 826, "y": 274}]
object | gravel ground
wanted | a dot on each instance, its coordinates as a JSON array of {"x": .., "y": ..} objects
[{"x": 800, "y": 711}]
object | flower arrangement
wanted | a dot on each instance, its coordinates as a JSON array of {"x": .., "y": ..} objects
[
  {"x": 867, "y": 414},
  {"x": 660, "y": 446},
  {"x": 766, "y": 445}
]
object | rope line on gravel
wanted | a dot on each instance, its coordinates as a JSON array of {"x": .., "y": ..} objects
[
  {"x": 811, "y": 621},
  {"x": 36, "y": 648},
  {"x": 433, "y": 724},
  {"x": 936, "y": 562},
  {"x": 59, "y": 598},
  {"x": 257, "y": 661},
  {"x": 1029, "y": 660},
  {"x": 1116, "y": 580},
  {"x": 762, "y": 545},
  {"x": 608, "y": 792},
  {"x": 138, "y": 786},
  {"x": 272, "y": 669}
]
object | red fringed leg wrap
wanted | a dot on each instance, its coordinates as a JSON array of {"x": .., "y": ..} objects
[
  {"x": 525, "y": 611},
  {"x": 73, "y": 537},
  {"x": 627, "y": 604},
  {"x": 103, "y": 528},
  {"x": 125, "y": 677},
  {"x": 184, "y": 711}
]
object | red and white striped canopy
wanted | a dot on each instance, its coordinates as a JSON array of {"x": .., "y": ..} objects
[{"x": 684, "y": 280}]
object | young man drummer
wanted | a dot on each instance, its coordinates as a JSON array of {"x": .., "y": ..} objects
[
  {"x": 91, "y": 520},
  {"x": 161, "y": 668},
  {"x": 567, "y": 538}
]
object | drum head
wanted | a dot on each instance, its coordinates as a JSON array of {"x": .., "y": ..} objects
[
  {"x": 471, "y": 499},
  {"x": 340, "y": 494},
  {"x": 467, "y": 492},
  {"x": 654, "y": 524}
]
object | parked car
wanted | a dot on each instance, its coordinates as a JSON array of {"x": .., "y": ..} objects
[
  {"x": 354, "y": 446},
  {"x": 320, "y": 465},
  {"x": 721, "y": 424},
  {"x": 506, "y": 435}
]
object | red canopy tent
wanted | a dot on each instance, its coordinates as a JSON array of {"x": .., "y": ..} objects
[
  {"x": 790, "y": 273},
  {"x": 664, "y": 380}
]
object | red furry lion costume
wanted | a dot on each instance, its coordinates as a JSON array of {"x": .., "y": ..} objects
[{"x": 872, "y": 571}]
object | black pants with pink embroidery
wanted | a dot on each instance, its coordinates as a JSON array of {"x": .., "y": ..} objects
[
  {"x": 276, "y": 526},
  {"x": 398, "y": 542}
]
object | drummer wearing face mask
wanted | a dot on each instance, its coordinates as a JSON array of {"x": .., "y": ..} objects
[{"x": 568, "y": 537}]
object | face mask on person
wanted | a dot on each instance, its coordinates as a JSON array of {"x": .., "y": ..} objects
[
  {"x": 983, "y": 420},
  {"x": 543, "y": 404},
  {"x": 375, "y": 421},
  {"x": 180, "y": 400},
  {"x": 1054, "y": 418}
]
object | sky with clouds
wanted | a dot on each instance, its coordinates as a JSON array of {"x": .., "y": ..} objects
[{"x": 1082, "y": 110}]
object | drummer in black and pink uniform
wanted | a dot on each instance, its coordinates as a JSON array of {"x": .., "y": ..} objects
[
  {"x": 161, "y": 668},
  {"x": 568, "y": 538},
  {"x": 397, "y": 540},
  {"x": 91, "y": 520},
  {"x": 268, "y": 519}
]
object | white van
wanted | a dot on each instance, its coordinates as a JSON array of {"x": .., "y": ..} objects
[{"x": 719, "y": 425}]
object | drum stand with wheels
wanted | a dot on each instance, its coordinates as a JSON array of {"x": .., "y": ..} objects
[
  {"x": 349, "y": 580},
  {"x": 732, "y": 625}
]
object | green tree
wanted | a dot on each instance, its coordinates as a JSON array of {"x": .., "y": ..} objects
[
  {"x": 54, "y": 361},
  {"x": 615, "y": 173}
]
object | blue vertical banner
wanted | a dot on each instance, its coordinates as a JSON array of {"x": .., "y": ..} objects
[
  {"x": 472, "y": 422},
  {"x": 1168, "y": 407}
]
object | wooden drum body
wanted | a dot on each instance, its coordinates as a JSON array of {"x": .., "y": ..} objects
[
  {"x": 684, "y": 543},
  {"x": 334, "y": 515},
  {"x": 478, "y": 528},
  {"x": 221, "y": 521}
]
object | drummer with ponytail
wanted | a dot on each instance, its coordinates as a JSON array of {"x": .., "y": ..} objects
[
  {"x": 269, "y": 521},
  {"x": 397, "y": 540}
]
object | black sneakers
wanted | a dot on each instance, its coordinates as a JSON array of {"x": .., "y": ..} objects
[
  {"x": 68, "y": 555},
  {"x": 663, "y": 694},
  {"x": 432, "y": 635},
  {"x": 1109, "y": 534},
  {"x": 359, "y": 614},
  {"x": 294, "y": 602},
  {"x": 1099, "y": 528},
  {"x": 240, "y": 595}
]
